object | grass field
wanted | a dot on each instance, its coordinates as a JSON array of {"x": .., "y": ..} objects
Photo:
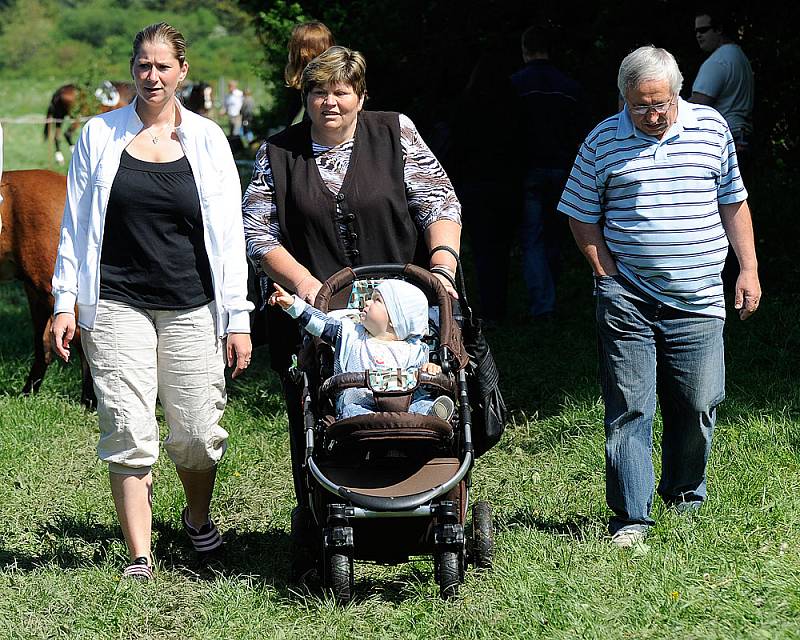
[{"x": 730, "y": 571}]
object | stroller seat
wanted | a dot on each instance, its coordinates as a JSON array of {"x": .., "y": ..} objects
[
  {"x": 403, "y": 478},
  {"x": 391, "y": 421}
]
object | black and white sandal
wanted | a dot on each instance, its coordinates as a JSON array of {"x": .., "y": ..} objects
[
  {"x": 139, "y": 569},
  {"x": 205, "y": 539}
]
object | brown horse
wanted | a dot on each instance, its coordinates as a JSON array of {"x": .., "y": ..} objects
[
  {"x": 74, "y": 102},
  {"x": 198, "y": 97},
  {"x": 30, "y": 214}
]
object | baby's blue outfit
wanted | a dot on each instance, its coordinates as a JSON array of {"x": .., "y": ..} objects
[{"x": 356, "y": 350}]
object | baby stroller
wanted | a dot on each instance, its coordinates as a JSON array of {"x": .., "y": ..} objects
[{"x": 389, "y": 485}]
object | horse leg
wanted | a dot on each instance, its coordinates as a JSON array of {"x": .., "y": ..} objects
[
  {"x": 88, "y": 398},
  {"x": 57, "y": 140},
  {"x": 69, "y": 134},
  {"x": 41, "y": 312}
]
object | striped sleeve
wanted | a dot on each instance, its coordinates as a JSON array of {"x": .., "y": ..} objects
[
  {"x": 430, "y": 194},
  {"x": 259, "y": 213},
  {"x": 581, "y": 198},
  {"x": 310, "y": 319},
  {"x": 731, "y": 187}
]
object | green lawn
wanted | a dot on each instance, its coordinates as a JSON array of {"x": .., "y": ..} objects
[{"x": 730, "y": 571}]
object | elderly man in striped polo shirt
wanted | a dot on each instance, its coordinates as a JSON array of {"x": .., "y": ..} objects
[{"x": 654, "y": 199}]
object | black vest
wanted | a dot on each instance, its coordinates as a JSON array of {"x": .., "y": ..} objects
[{"x": 372, "y": 203}]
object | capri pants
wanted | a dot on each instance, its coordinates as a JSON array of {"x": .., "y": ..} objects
[{"x": 136, "y": 355}]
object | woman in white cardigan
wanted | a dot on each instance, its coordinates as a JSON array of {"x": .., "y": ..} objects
[{"x": 152, "y": 253}]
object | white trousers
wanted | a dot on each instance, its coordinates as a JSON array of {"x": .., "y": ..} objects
[{"x": 137, "y": 355}]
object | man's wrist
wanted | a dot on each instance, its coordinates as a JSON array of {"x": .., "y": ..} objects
[{"x": 749, "y": 269}]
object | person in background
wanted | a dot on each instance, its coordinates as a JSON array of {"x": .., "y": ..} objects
[
  {"x": 248, "y": 113},
  {"x": 487, "y": 176},
  {"x": 343, "y": 188},
  {"x": 553, "y": 124},
  {"x": 725, "y": 80},
  {"x": 307, "y": 41},
  {"x": 232, "y": 106},
  {"x": 152, "y": 251},
  {"x": 656, "y": 251}
]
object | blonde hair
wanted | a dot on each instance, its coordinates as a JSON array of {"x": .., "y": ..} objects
[
  {"x": 307, "y": 41},
  {"x": 337, "y": 65},
  {"x": 161, "y": 32}
]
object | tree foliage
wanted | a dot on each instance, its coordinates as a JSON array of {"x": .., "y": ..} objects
[{"x": 93, "y": 37}]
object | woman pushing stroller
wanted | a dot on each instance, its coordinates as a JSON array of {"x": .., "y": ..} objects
[
  {"x": 389, "y": 336},
  {"x": 345, "y": 188}
]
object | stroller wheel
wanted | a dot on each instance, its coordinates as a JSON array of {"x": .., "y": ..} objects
[
  {"x": 448, "y": 573},
  {"x": 339, "y": 577},
  {"x": 482, "y": 535}
]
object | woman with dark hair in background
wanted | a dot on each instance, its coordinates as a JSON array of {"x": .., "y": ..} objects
[{"x": 307, "y": 41}]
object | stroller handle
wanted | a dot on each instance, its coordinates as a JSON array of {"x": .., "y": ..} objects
[{"x": 385, "y": 269}]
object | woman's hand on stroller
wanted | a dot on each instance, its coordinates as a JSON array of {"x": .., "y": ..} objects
[
  {"x": 281, "y": 297},
  {"x": 431, "y": 368}
]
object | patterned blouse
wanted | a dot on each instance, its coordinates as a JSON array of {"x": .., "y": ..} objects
[{"x": 430, "y": 194}]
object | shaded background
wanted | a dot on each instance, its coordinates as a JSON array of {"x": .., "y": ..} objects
[{"x": 420, "y": 52}]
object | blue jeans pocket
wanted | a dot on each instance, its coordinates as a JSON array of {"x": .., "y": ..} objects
[{"x": 604, "y": 283}]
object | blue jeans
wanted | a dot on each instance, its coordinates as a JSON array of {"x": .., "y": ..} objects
[
  {"x": 648, "y": 349},
  {"x": 539, "y": 236}
]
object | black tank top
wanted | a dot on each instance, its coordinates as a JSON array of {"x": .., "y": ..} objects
[{"x": 153, "y": 253}]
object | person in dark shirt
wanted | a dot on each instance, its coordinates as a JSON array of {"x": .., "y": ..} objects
[
  {"x": 553, "y": 124},
  {"x": 486, "y": 169},
  {"x": 370, "y": 191}
]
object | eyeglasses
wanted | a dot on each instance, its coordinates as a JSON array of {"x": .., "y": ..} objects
[
  {"x": 660, "y": 109},
  {"x": 705, "y": 29}
]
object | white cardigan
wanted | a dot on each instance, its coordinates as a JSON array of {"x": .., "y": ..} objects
[{"x": 91, "y": 173}]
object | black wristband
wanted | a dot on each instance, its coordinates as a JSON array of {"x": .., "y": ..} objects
[{"x": 444, "y": 247}]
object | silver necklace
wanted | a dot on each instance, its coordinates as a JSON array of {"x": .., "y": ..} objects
[{"x": 155, "y": 139}]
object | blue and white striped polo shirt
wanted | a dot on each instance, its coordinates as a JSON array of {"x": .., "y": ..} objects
[{"x": 658, "y": 200}]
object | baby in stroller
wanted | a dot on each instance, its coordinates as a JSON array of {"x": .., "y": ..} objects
[{"x": 388, "y": 337}]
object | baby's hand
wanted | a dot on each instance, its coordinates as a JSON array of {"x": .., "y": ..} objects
[
  {"x": 431, "y": 368},
  {"x": 281, "y": 297}
]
